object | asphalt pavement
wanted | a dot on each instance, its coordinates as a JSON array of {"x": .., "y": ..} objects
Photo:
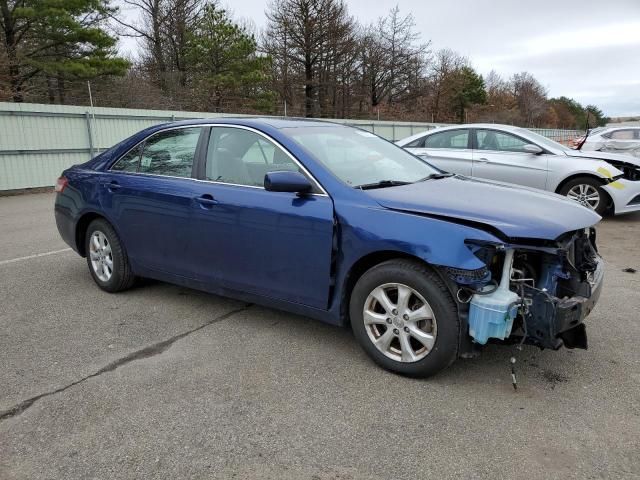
[{"x": 166, "y": 382}]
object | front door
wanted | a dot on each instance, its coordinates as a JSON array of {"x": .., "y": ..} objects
[
  {"x": 500, "y": 156},
  {"x": 274, "y": 244}
]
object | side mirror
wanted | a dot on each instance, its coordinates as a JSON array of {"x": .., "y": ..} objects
[
  {"x": 287, "y": 181},
  {"x": 531, "y": 148}
]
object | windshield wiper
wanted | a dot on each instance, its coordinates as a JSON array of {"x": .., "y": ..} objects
[
  {"x": 395, "y": 183},
  {"x": 436, "y": 176},
  {"x": 381, "y": 184}
]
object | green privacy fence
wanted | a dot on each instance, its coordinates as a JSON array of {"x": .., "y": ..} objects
[{"x": 37, "y": 142}]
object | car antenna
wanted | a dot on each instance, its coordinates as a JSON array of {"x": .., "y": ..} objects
[{"x": 586, "y": 133}]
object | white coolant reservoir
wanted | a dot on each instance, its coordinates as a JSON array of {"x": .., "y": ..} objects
[{"x": 491, "y": 315}]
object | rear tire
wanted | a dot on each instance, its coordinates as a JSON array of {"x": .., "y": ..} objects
[
  {"x": 587, "y": 191},
  {"x": 107, "y": 258},
  {"x": 414, "y": 329}
]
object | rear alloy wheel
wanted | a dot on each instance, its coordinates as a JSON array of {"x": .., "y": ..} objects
[
  {"x": 106, "y": 257},
  {"x": 404, "y": 317},
  {"x": 101, "y": 256},
  {"x": 587, "y": 192}
]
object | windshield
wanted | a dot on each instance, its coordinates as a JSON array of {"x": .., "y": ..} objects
[
  {"x": 361, "y": 158},
  {"x": 542, "y": 140}
]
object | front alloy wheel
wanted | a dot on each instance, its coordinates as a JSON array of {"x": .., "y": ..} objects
[
  {"x": 400, "y": 322},
  {"x": 587, "y": 191},
  {"x": 586, "y": 195},
  {"x": 393, "y": 311}
]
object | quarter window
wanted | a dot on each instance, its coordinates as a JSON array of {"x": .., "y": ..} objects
[
  {"x": 458, "y": 139},
  {"x": 242, "y": 157},
  {"x": 170, "y": 153},
  {"x": 500, "y": 141},
  {"x": 418, "y": 143}
]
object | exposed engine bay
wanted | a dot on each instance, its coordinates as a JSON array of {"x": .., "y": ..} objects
[{"x": 536, "y": 295}]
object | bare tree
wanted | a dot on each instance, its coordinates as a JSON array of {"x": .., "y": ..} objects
[
  {"x": 392, "y": 60},
  {"x": 163, "y": 27},
  {"x": 444, "y": 67},
  {"x": 530, "y": 97},
  {"x": 308, "y": 40}
]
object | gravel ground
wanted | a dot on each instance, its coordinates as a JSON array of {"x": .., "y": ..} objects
[{"x": 166, "y": 382}]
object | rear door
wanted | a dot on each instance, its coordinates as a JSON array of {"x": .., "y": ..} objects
[
  {"x": 500, "y": 156},
  {"x": 274, "y": 244},
  {"x": 149, "y": 194},
  {"x": 449, "y": 150}
]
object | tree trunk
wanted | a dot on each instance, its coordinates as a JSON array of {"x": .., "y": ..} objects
[
  {"x": 15, "y": 80},
  {"x": 61, "y": 89},
  {"x": 308, "y": 86},
  {"x": 51, "y": 93}
]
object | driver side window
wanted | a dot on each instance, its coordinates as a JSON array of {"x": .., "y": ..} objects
[
  {"x": 500, "y": 141},
  {"x": 242, "y": 157}
]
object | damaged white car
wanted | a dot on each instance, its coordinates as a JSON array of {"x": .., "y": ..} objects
[
  {"x": 604, "y": 182},
  {"x": 623, "y": 140}
]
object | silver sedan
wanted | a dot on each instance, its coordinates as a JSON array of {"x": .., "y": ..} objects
[{"x": 600, "y": 181}]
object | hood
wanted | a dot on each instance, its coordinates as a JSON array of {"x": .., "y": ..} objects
[
  {"x": 514, "y": 210},
  {"x": 606, "y": 156}
]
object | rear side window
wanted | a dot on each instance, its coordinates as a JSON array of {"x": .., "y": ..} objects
[
  {"x": 627, "y": 134},
  {"x": 129, "y": 162},
  {"x": 450, "y": 139},
  {"x": 170, "y": 153},
  {"x": 500, "y": 141}
]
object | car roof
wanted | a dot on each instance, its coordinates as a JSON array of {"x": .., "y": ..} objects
[
  {"x": 621, "y": 127},
  {"x": 495, "y": 126},
  {"x": 273, "y": 122}
]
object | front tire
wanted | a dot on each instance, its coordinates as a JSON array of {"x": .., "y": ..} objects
[
  {"x": 588, "y": 192},
  {"x": 107, "y": 258},
  {"x": 404, "y": 317}
]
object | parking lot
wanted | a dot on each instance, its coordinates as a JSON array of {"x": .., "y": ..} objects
[{"x": 166, "y": 382}]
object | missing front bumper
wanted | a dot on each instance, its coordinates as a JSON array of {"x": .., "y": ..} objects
[{"x": 553, "y": 322}]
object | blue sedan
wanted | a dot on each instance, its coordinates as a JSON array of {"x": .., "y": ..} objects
[{"x": 335, "y": 223}]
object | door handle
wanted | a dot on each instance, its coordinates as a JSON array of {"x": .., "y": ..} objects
[
  {"x": 113, "y": 186},
  {"x": 206, "y": 200},
  {"x": 483, "y": 160}
]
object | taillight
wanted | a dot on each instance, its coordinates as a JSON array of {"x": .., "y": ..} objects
[{"x": 61, "y": 183}]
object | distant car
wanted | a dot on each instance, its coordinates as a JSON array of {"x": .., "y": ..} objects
[
  {"x": 600, "y": 181},
  {"x": 340, "y": 225},
  {"x": 623, "y": 140}
]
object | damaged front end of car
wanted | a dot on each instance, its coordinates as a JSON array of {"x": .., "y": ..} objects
[{"x": 530, "y": 292}]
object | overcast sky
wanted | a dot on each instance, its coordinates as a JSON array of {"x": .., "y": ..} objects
[{"x": 588, "y": 50}]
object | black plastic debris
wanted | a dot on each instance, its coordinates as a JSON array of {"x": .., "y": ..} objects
[{"x": 629, "y": 270}]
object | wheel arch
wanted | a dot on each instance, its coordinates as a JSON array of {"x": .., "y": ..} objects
[
  {"x": 81, "y": 229},
  {"x": 573, "y": 176},
  {"x": 602, "y": 181},
  {"x": 368, "y": 261}
]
